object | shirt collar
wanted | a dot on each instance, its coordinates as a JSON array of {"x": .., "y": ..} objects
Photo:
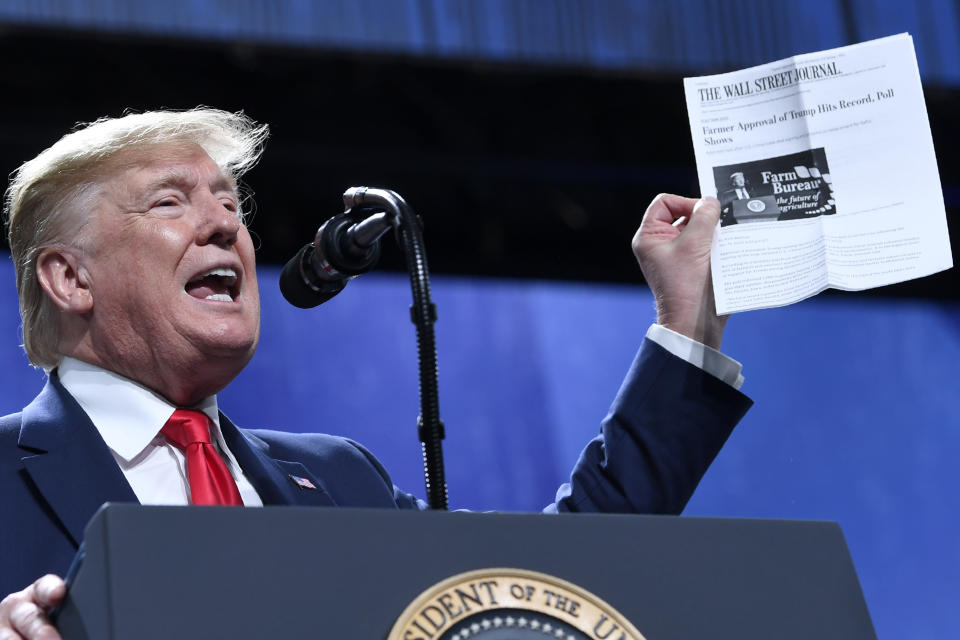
[{"x": 127, "y": 415}]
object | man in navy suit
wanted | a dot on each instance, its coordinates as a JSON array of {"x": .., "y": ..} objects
[
  {"x": 737, "y": 191},
  {"x": 138, "y": 293}
]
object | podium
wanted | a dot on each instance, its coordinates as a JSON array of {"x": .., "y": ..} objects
[
  {"x": 296, "y": 572},
  {"x": 759, "y": 209}
]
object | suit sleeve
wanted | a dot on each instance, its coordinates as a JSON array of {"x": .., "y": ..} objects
[
  {"x": 403, "y": 499},
  {"x": 665, "y": 427}
]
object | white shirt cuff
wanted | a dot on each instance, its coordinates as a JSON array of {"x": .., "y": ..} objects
[{"x": 698, "y": 354}]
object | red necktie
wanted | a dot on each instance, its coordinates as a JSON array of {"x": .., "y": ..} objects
[{"x": 210, "y": 480}]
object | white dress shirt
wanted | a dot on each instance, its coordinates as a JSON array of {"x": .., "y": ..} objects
[
  {"x": 129, "y": 418},
  {"x": 698, "y": 354}
]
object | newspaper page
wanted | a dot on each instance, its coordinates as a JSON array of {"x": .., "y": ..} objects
[{"x": 825, "y": 170}]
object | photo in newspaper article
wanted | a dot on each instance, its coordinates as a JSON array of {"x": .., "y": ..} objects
[{"x": 789, "y": 187}]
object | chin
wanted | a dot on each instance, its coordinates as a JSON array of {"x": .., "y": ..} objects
[
  {"x": 241, "y": 349},
  {"x": 228, "y": 347},
  {"x": 217, "y": 368}
]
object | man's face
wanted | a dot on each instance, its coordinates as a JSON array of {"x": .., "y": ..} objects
[
  {"x": 737, "y": 180},
  {"x": 172, "y": 271}
]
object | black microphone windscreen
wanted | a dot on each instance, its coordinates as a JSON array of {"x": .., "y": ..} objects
[{"x": 295, "y": 286}]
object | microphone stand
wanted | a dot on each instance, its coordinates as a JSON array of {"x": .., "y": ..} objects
[{"x": 423, "y": 314}]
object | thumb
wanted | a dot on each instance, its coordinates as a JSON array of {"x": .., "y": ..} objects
[
  {"x": 703, "y": 219},
  {"x": 49, "y": 590}
]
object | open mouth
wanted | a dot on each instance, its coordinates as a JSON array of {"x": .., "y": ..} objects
[{"x": 220, "y": 284}]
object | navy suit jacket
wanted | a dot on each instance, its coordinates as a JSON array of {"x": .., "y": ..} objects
[{"x": 665, "y": 427}]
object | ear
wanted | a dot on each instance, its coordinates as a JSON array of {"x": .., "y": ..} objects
[{"x": 64, "y": 279}]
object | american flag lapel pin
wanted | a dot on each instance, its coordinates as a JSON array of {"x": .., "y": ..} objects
[{"x": 303, "y": 483}]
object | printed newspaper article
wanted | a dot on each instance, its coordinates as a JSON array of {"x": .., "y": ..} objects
[{"x": 825, "y": 170}]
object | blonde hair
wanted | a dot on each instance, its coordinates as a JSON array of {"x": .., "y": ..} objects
[{"x": 43, "y": 204}]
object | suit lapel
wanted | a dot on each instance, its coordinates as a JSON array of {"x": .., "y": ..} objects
[
  {"x": 274, "y": 480},
  {"x": 68, "y": 461},
  {"x": 75, "y": 473}
]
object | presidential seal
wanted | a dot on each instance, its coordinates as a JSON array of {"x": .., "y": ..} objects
[
  {"x": 510, "y": 604},
  {"x": 756, "y": 206}
]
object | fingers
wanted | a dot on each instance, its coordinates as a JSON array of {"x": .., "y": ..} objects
[
  {"x": 667, "y": 207},
  {"x": 24, "y": 614},
  {"x": 702, "y": 223},
  {"x": 49, "y": 591},
  {"x": 704, "y": 216},
  {"x": 659, "y": 222},
  {"x": 30, "y": 621}
]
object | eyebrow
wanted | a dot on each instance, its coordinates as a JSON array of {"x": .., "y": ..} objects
[{"x": 189, "y": 178}]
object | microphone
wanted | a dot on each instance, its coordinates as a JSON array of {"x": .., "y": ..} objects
[{"x": 345, "y": 246}]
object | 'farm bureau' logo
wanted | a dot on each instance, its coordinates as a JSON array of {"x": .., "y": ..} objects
[{"x": 510, "y": 604}]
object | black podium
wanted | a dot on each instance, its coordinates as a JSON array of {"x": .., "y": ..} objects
[{"x": 290, "y": 572}]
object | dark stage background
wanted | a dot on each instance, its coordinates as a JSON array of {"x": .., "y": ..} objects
[{"x": 530, "y": 136}]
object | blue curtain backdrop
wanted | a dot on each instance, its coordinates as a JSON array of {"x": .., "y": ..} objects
[
  {"x": 681, "y": 36},
  {"x": 855, "y": 417}
]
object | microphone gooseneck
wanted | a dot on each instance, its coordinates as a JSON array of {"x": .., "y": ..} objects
[{"x": 348, "y": 245}]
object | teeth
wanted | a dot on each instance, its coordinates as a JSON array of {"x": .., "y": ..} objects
[
  {"x": 222, "y": 297},
  {"x": 225, "y": 272}
]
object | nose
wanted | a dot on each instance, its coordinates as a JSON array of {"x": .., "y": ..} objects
[{"x": 219, "y": 225}]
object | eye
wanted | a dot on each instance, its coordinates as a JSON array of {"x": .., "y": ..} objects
[
  {"x": 166, "y": 202},
  {"x": 230, "y": 205}
]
